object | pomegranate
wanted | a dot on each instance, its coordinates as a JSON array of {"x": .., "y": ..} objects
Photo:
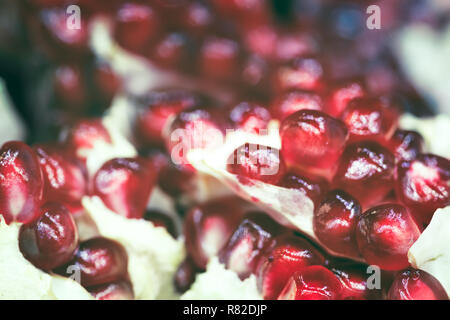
[
  {"x": 219, "y": 58},
  {"x": 301, "y": 73},
  {"x": 312, "y": 283},
  {"x": 335, "y": 222},
  {"x": 384, "y": 235},
  {"x": 289, "y": 102},
  {"x": 366, "y": 171},
  {"x": 280, "y": 262},
  {"x": 406, "y": 145},
  {"x": 314, "y": 187},
  {"x": 21, "y": 183},
  {"x": 412, "y": 284},
  {"x": 312, "y": 140},
  {"x": 340, "y": 94},
  {"x": 254, "y": 161},
  {"x": 250, "y": 117},
  {"x": 185, "y": 275},
  {"x": 51, "y": 240},
  {"x": 125, "y": 185}
]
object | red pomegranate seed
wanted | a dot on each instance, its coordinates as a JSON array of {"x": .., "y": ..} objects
[
  {"x": 176, "y": 180},
  {"x": 290, "y": 254},
  {"x": 197, "y": 18},
  {"x": 160, "y": 107},
  {"x": 366, "y": 171},
  {"x": 194, "y": 128},
  {"x": 207, "y": 228},
  {"x": 136, "y": 25},
  {"x": 171, "y": 50},
  {"x": 384, "y": 235},
  {"x": 295, "y": 44},
  {"x": 353, "y": 278},
  {"x": 406, "y": 145},
  {"x": 253, "y": 161},
  {"x": 312, "y": 140},
  {"x": 250, "y": 117},
  {"x": 423, "y": 185},
  {"x": 246, "y": 13},
  {"x": 106, "y": 80},
  {"x": 125, "y": 185},
  {"x": 21, "y": 183},
  {"x": 119, "y": 290},
  {"x": 287, "y": 103},
  {"x": 65, "y": 180},
  {"x": 51, "y": 240},
  {"x": 100, "y": 261},
  {"x": 243, "y": 250},
  {"x": 261, "y": 40},
  {"x": 299, "y": 74},
  {"x": 219, "y": 58},
  {"x": 312, "y": 283},
  {"x": 413, "y": 284},
  {"x": 69, "y": 87},
  {"x": 160, "y": 219},
  {"x": 335, "y": 222},
  {"x": 83, "y": 136},
  {"x": 313, "y": 187},
  {"x": 340, "y": 95},
  {"x": 369, "y": 118},
  {"x": 185, "y": 275}
]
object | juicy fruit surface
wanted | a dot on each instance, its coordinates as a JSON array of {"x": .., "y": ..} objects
[
  {"x": 353, "y": 278},
  {"x": 384, "y": 235},
  {"x": 51, "y": 240},
  {"x": 21, "y": 183}
]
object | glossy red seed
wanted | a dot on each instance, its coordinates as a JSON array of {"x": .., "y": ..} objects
[
  {"x": 171, "y": 50},
  {"x": 107, "y": 80},
  {"x": 51, "y": 240},
  {"x": 100, "y": 261},
  {"x": 136, "y": 25},
  {"x": 413, "y": 284},
  {"x": 299, "y": 74},
  {"x": 185, "y": 275},
  {"x": 119, "y": 290},
  {"x": 250, "y": 117},
  {"x": 340, "y": 94},
  {"x": 370, "y": 118},
  {"x": 69, "y": 87},
  {"x": 423, "y": 185},
  {"x": 176, "y": 180},
  {"x": 312, "y": 140},
  {"x": 65, "y": 179},
  {"x": 290, "y": 254},
  {"x": 366, "y": 171},
  {"x": 384, "y": 235},
  {"x": 312, "y": 283},
  {"x": 197, "y": 18},
  {"x": 160, "y": 219},
  {"x": 335, "y": 222},
  {"x": 125, "y": 185},
  {"x": 208, "y": 227},
  {"x": 406, "y": 145},
  {"x": 287, "y": 103},
  {"x": 311, "y": 186},
  {"x": 252, "y": 161},
  {"x": 21, "y": 183},
  {"x": 245, "y": 247},
  {"x": 219, "y": 58}
]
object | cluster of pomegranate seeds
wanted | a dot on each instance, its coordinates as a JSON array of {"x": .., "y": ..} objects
[
  {"x": 250, "y": 117},
  {"x": 413, "y": 284},
  {"x": 125, "y": 185},
  {"x": 340, "y": 94},
  {"x": 254, "y": 161},
  {"x": 52, "y": 239},
  {"x": 21, "y": 183},
  {"x": 301, "y": 73}
]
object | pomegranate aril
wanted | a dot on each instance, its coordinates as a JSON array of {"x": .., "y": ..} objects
[
  {"x": 340, "y": 95},
  {"x": 106, "y": 80},
  {"x": 197, "y": 18},
  {"x": 245, "y": 13},
  {"x": 65, "y": 179},
  {"x": 299, "y": 74},
  {"x": 335, "y": 222},
  {"x": 311, "y": 186},
  {"x": 69, "y": 87},
  {"x": 250, "y": 117},
  {"x": 413, "y": 284},
  {"x": 21, "y": 183},
  {"x": 287, "y": 103},
  {"x": 366, "y": 171},
  {"x": 160, "y": 219},
  {"x": 51, "y": 240},
  {"x": 254, "y": 161},
  {"x": 119, "y": 290},
  {"x": 280, "y": 262},
  {"x": 423, "y": 185},
  {"x": 136, "y": 25},
  {"x": 384, "y": 235},
  {"x": 219, "y": 58},
  {"x": 100, "y": 261},
  {"x": 171, "y": 50},
  {"x": 175, "y": 179},
  {"x": 125, "y": 185},
  {"x": 406, "y": 145},
  {"x": 208, "y": 227},
  {"x": 312, "y": 283},
  {"x": 244, "y": 248},
  {"x": 370, "y": 118},
  {"x": 312, "y": 140},
  {"x": 185, "y": 275}
]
